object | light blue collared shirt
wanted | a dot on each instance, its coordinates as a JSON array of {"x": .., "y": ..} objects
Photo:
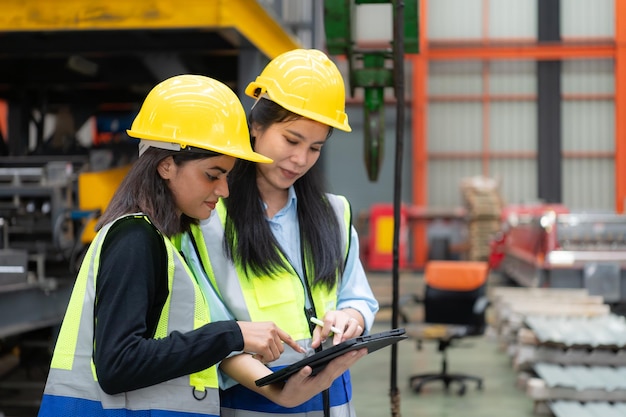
[{"x": 354, "y": 291}]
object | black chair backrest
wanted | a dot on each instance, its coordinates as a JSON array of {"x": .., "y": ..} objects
[
  {"x": 454, "y": 307},
  {"x": 454, "y": 293}
]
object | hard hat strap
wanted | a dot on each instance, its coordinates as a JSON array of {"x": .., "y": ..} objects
[
  {"x": 144, "y": 144},
  {"x": 263, "y": 95}
]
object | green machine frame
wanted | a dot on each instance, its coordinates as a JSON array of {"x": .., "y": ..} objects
[{"x": 372, "y": 69}]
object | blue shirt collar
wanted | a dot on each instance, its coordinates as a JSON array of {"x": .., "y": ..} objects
[{"x": 292, "y": 204}]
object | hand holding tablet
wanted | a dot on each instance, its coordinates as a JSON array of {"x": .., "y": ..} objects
[{"x": 318, "y": 361}]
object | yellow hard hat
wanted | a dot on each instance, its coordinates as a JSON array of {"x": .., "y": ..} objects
[
  {"x": 194, "y": 111},
  {"x": 306, "y": 82}
]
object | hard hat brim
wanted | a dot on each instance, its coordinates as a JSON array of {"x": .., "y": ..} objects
[
  {"x": 253, "y": 87},
  {"x": 234, "y": 152}
]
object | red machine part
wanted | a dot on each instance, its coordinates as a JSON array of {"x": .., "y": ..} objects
[
  {"x": 523, "y": 239},
  {"x": 380, "y": 238}
]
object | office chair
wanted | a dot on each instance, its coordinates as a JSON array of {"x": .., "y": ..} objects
[{"x": 454, "y": 303}]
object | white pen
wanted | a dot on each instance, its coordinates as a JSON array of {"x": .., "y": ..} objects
[{"x": 321, "y": 324}]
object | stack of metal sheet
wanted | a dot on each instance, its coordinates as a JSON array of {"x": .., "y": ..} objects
[
  {"x": 512, "y": 305},
  {"x": 577, "y": 360},
  {"x": 589, "y": 409}
]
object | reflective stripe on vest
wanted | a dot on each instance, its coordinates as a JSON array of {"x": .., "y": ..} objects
[
  {"x": 279, "y": 298},
  {"x": 72, "y": 388}
]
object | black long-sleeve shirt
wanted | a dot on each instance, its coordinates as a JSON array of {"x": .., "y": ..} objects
[{"x": 131, "y": 289}]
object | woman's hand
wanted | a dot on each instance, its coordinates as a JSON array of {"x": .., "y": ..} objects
[
  {"x": 349, "y": 319},
  {"x": 299, "y": 388},
  {"x": 265, "y": 340}
]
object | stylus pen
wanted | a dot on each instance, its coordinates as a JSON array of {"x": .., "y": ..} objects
[{"x": 321, "y": 324}]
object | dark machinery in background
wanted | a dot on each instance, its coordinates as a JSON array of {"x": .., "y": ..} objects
[
  {"x": 38, "y": 237},
  {"x": 37, "y": 207},
  {"x": 79, "y": 61},
  {"x": 561, "y": 249},
  {"x": 36, "y": 204}
]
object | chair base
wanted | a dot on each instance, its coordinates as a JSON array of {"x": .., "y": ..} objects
[{"x": 416, "y": 382}]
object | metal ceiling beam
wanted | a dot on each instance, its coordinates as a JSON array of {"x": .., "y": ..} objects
[
  {"x": 50, "y": 44},
  {"x": 248, "y": 17}
]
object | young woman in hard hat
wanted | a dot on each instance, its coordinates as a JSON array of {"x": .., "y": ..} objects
[
  {"x": 137, "y": 336},
  {"x": 289, "y": 251}
]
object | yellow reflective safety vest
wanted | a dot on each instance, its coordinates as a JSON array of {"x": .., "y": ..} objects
[
  {"x": 72, "y": 388},
  {"x": 280, "y": 298}
]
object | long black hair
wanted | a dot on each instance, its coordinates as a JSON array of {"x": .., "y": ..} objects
[
  {"x": 248, "y": 238},
  {"x": 143, "y": 190}
]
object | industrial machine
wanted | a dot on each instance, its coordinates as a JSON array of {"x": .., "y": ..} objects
[
  {"x": 48, "y": 209},
  {"x": 509, "y": 217},
  {"x": 39, "y": 231},
  {"x": 568, "y": 250},
  {"x": 37, "y": 197}
]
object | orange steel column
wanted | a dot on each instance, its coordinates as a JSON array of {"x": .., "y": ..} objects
[
  {"x": 620, "y": 105},
  {"x": 420, "y": 140}
]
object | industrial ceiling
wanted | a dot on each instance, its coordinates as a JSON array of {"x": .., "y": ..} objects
[{"x": 107, "y": 54}]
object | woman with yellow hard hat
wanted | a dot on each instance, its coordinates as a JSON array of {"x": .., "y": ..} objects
[
  {"x": 288, "y": 251},
  {"x": 138, "y": 336}
]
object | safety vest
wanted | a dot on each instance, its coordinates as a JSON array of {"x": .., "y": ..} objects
[
  {"x": 280, "y": 298},
  {"x": 72, "y": 388}
]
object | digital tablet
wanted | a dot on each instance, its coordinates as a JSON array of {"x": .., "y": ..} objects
[{"x": 318, "y": 361}]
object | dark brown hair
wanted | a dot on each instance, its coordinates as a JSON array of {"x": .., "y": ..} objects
[
  {"x": 144, "y": 191},
  {"x": 248, "y": 238}
]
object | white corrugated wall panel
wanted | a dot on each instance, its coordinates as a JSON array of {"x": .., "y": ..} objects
[
  {"x": 454, "y": 127},
  {"x": 513, "y": 126},
  {"x": 594, "y": 76},
  {"x": 518, "y": 179},
  {"x": 512, "y": 19},
  {"x": 444, "y": 180},
  {"x": 588, "y": 135},
  {"x": 454, "y": 78},
  {"x": 588, "y": 126},
  {"x": 454, "y": 19},
  {"x": 512, "y": 77},
  {"x": 374, "y": 22},
  {"x": 585, "y": 18},
  {"x": 463, "y": 19},
  {"x": 589, "y": 184}
]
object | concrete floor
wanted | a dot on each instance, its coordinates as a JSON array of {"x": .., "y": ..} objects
[{"x": 480, "y": 356}]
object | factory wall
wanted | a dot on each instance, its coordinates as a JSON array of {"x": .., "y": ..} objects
[
  {"x": 483, "y": 113},
  {"x": 481, "y": 110}
]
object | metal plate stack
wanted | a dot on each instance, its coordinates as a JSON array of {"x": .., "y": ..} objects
[{"x": 578, "y": 360}]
